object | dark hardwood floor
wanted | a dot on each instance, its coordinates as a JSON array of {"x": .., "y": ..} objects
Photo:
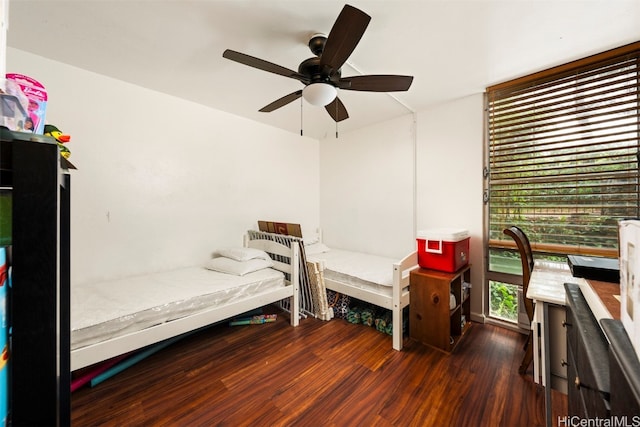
[{"x": 319, "y": 374}]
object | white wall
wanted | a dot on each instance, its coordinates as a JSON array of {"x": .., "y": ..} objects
[
  {"x": 449, "y": 177},
  {"x": 162, "y": 182},
  {"x": 367, "y": 189},
  {"x": 368, "y": 179}
]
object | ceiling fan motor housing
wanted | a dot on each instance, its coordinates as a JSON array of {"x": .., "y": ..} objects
[
  {"x": 311, "y": 67},
  {"x": 317, "y": 73}
]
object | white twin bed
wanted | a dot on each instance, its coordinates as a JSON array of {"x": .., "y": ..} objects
[
  {"x": 378, "y": 280},
  {"x": 113, "y": 318}
]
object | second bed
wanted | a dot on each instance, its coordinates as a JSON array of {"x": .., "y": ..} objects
[{"x": 378, "y": 280}]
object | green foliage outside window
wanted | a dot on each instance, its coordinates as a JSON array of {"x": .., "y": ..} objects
[{"x": 503, "y": 301}]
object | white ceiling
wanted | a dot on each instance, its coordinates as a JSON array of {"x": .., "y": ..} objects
[{"x": 453, "y": 48}]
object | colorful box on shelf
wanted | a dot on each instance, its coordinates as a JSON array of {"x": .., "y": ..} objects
[
  {"x": 4, "y": 338},
  {"x": 23, "y": 103},
  {"x": 443, "y": 249}
]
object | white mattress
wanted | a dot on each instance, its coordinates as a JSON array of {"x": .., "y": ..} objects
[
  {"x": 100, "y": 311},
  {"x": 357, "y": 269}
]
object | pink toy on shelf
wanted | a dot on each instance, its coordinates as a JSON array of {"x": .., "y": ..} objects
[{"x": 33, "y": 97}]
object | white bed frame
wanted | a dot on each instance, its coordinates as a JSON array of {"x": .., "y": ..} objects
[
  {"x": 116, "y": 346},
  {"x": 398, "y": 300}
]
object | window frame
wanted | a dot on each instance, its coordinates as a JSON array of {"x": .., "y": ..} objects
[{"x": 493, "y": 241}]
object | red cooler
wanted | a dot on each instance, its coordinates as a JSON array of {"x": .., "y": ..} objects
[{"x": 443, "y": 249}]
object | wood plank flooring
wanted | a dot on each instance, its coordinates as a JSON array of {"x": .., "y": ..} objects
[{"x": 319, "y": 374}]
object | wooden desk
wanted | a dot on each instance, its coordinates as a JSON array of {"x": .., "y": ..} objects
[
  {"x": 609, "y": 294},
  {"x": 546, "y": 288}
]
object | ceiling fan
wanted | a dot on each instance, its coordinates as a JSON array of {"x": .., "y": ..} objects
[{"x": 321, "y": 74}]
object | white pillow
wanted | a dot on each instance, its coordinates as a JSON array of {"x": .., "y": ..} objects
[
  {"x": 243, "y": 254},
  {"x": 238, "y": 268},
  {"x": 316, "y": 248}
]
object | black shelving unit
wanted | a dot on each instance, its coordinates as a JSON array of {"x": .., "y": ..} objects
[{"x": 39, "y": 358}]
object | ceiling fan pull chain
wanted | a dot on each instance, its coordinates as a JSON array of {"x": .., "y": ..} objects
[
  {"x": 336, "y": 102},
  {"x": 301, "y": 103}
]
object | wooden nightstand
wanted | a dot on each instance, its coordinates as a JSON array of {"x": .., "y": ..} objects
[{"x": 432, "y": 321}]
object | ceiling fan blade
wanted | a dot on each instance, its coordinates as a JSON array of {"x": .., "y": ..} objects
[
  {"x": 261, "y": 64},
  {"x": 344, "y": 37},
  {"x": 281, "y": 102},
  {"x": 337, "y": 110},
  {"x": 376, "y": 83}
]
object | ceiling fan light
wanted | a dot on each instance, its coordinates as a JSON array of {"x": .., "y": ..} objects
[{"x": 319, "y": 94}]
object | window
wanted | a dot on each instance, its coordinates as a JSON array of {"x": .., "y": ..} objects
[{"x": 563, "y": 157}]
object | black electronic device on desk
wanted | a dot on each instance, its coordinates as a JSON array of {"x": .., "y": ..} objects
[{"x": 595, "y": 268}]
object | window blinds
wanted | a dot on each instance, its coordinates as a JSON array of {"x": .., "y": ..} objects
[{"x": 563, "y": 153}]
